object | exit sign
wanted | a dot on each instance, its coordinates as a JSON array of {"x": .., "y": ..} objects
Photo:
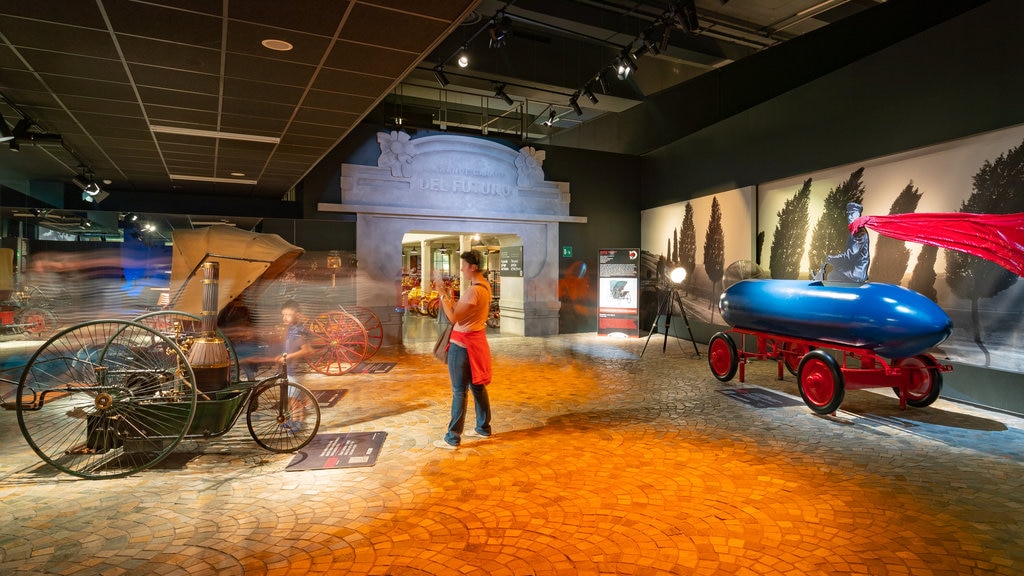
[{"x": 566, "y": 251}]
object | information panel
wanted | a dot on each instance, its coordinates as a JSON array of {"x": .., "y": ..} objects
[
  {"x": 618, "y": 311},
  {"x": 510, "y": 263}
]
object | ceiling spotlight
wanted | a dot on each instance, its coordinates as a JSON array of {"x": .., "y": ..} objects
[
  {"x": 589, "y": 94},
  {"x": 685, "y": 13},
  {"x": 665, "y": 34},
  {"x": 651, "y": 46},
  {"x": 600, "y": 82},
  {"x": 86, "y": 185},
  {"x": 463, "y": 58},
  {"x": 13, "y": 145},
  {"x": 500, "y": 29},
  {"x": 552, "y": 118},
  {"x": 439, "y": 74},
  {"x": 5, "y": 131},
  {"x": 574, "y": 104},
  {"x": 499, "y": 92}
]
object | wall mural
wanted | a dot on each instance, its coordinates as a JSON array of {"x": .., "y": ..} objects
[
  {"x": 801, "y": 220},
  {"x": 710, "y": 238}
]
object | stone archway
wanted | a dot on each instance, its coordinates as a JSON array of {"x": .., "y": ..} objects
[{"x": 450, "y": 183}]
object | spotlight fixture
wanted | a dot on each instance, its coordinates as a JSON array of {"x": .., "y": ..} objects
[
  {"x": 600, "y": 82},
  {"x": 625, "y": 64},
  {"x": 651, "y": 46},
  {"x": 13, "y": 145},
  {"x": 589, "y": 94},
  {"x": 5, "y": 131},
  {"x": 666, "y": 33},
  {"x": 499, "y": 92},
  {"x": 463, "y": 58},
  {"x": 88, "y": 186},
  {"x": 500, "y": 29},
  {"x": 686, "y": 15},
  {"x": 439, "y": 74},
  {"x": 552, "y": 118},
  {"x": 574, "y": 104}
]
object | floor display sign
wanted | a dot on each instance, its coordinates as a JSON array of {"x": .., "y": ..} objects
[{"x": 618, "y": 308}]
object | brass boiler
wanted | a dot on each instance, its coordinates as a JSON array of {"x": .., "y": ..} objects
[{"x": 208, "y": 354}]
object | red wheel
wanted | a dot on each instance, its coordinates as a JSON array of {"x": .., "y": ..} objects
[
  {"x": 722, "y": 357},
  {"x": 925, "y": 380},
  {"x": 821, "y": 382},
  {"x": 339, "y": 343},
  {"x": 374, "y": 330},
  {"x": 792, "y": 354},
  {"x": 38, "y": 322}
]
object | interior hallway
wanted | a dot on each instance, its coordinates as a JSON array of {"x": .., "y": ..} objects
[{"x": 602, "y": 462}]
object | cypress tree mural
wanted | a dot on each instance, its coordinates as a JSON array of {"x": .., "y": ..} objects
[
  {"x": 922, "y": 280},
  {"x": 890, "y": 257},
  {"x": 714, "y": 252},
  {"x": 791, "y": 235},
  {"x": 688, "y": 246},
  {"x": 998, "y": 189},
  {"x": 830, "y": 232}
]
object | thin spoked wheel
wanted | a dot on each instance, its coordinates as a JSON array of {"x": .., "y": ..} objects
[
  {"x": 338, "y": 341},
  {"x": 373, "y": 327},
  {"x": 821, "y": 382},
  {"x": 792, "y": 354},
  {"x": 722, "y": 357},
  {"x": 184, "y": 328},
  {"x": 282, "y": 416},
  {"x": 925, "y": 380},
  {"x": 106, "y": 399}
]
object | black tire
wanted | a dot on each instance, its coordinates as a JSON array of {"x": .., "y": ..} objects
[
  {"x": 821, "y": 382},
  {"x": 282, "y": 416},
  {"x": 926, "y": 380},
  {"x": 722, "y": 357},
  {"x": 106, "y": 399}
]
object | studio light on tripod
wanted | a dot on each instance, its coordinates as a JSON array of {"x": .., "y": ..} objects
[{"x": 677, "y": 275}]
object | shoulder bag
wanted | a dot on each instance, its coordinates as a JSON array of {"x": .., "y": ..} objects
[{"x": 441, "y": 346}]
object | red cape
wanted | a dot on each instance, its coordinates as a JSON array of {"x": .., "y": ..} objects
[{"x": 995, "y": 237}]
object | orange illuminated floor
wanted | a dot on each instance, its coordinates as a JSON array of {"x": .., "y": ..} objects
[{"x": 602, "y": 463}]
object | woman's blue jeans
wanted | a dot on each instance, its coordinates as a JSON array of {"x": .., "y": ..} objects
[{"x": 459, "y": 372}]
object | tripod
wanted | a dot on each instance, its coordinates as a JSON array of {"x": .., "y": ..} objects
[{"x": 665, "y": 300}]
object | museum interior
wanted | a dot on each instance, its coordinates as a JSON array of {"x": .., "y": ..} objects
[{"x": 656, "y": 191}]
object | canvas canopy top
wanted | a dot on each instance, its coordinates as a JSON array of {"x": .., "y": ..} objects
[{"x": 245, "y": 258}]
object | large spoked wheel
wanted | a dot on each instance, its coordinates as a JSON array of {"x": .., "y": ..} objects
[
  {"x": 373, "y": 327},
  {"x": 821, "y": 382},
  {"x": 282, "y": 416},
  {"x": 106, "y": 399},
  {"x": 722, "y": 357},
  {"x": 339, "y": 343},
  {"x": 184, "y": 328},
  {"x": 37, "y": 322},
  {"x": 792, "y": 354},
  {"x": 925, "y": 380}
]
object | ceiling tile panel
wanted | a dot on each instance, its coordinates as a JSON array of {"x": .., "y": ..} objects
[
  {"x": 312, "y": 16},
  {"x": 189, "y": 100},
  {"x": 262, "y": 91},
  {"x": 370, "y": 59},
  {"x": 253, "y": 125},
  {"x": 279, "y": 71},
  {"x": 67, "y": 86},
  {"x": 334, "y": 100},
  {"x": 243, "y": 107},
  {"x": 326, "y": 117},
  {"x": 145, "y": 75},
  {"x": 172, "y": 116},
  {"x": 45, "y": 62},
  {"x": 128, "y": 17},
  {"x": 101, "y": 106},
  {"x": 245, "y": 38},
  {"x": 95, "y": 43},
  {"x": 445, "y": 10},
  {"x": 396, "y": 30},
  {"x": 74, "y": 12},
  {"x": 352, "y": 83},
  {"x": 170, "y": 55}
]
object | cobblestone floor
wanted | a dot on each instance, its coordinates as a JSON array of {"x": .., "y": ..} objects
[{"x": 602, "y": 462}]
